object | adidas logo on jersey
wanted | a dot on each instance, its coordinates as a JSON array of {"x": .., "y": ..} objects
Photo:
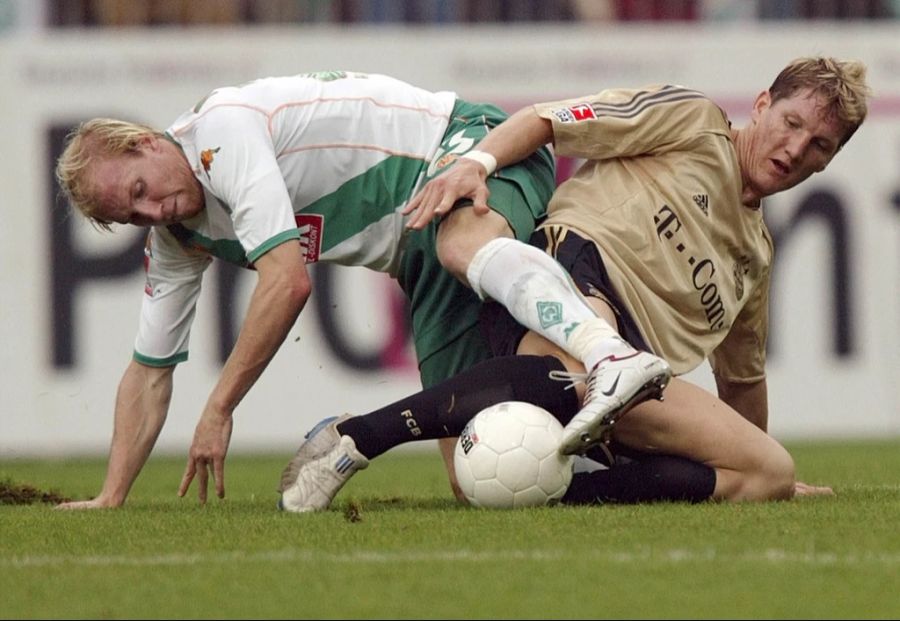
[
  {"x": 310, "y": 226},
  {"x": 702, "y": 201}
]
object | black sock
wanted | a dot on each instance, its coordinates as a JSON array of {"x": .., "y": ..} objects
[
  {"x": 444, "y": 409},
  {"x": 647, "y": 479}
]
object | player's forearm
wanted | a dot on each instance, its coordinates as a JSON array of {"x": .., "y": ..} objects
[
  {"x": 277, "y": 300},
  {"x": 269, "y": 318},
  {"x": 518, "y": 137},
  {"x": 142, "y": 403},
  {"x": 750, "y": 400}
]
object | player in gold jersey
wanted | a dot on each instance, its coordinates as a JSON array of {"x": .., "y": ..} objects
[
  {"x": 668, "y": 205},
  {"x": 662, "y": 231}
]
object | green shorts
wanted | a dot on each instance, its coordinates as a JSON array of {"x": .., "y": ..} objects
[{"x": 444, "y": 311}]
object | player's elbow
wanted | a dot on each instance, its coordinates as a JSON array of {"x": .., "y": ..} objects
[
  {"x": 287, "y": 290},
  {"x": 298, "y": 290}
]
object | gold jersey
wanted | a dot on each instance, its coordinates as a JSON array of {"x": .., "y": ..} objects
[{"x": 660, "y": 195}]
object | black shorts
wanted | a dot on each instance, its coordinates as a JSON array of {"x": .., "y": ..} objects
[{"x": 581, "y": 259}]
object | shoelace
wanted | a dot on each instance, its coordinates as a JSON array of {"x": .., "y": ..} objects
[
  {"x": 590, "y": 379},
  {"x": 567, "y": 376}
]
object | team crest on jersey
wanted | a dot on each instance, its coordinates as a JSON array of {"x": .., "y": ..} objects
[
  {"x": 578, "y": 112},
  {"x": 311, "y": 227},
  {"x": 206, "y": 158},
  {"x": 445, "y": 161}
]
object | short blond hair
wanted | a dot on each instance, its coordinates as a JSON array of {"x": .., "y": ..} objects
[
  {"x": 842, "y": 83},
  {"x": 87, "y": 143}
]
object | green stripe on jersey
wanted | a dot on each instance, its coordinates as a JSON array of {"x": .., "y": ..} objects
[
  {"x": 160, "y": 362},
  {"x": 272, "y": 242},
  {"x": 366, "y": 199},
  {"x": 226, "y": 249}
]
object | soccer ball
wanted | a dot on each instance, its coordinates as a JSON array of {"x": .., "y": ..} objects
[{"x": 507, "y": 457}]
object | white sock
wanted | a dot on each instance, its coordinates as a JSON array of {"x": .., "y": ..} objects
[
  {"x": 591, "y": 343},
  {"x": 538, "y": 292}
]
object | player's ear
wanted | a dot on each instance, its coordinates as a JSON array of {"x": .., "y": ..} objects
[
  {"x": 149, "y": 142},
  {"x": 762, "y": 103}
]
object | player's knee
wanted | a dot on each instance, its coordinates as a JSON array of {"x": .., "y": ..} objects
[
  {"x": 462, "y": 233},
  {"x": 454, "y": 254}
]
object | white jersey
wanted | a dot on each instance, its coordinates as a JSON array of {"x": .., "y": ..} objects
[{"x": 329, "y": 158}]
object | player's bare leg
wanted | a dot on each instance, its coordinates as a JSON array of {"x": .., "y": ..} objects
[
  {"x": 695, "y": 424},
  {"x": 462, "y": 233},
  {"x": 447, "y": 447},
  {"x": 692, "y": 423}
]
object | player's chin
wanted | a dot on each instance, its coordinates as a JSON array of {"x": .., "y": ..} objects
[{"x": 780, "y": 183}]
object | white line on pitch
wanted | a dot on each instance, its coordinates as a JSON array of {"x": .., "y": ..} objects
[{"x": 769, "y": 556}]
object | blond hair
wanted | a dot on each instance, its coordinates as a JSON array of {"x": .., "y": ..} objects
[
  {"x": 88, "y": 142},
  {"x": 842, "y": 84}
]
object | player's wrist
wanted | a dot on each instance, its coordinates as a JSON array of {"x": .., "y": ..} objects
[{"x": 484, "y": 158}]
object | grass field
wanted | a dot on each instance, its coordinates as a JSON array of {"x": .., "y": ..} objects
[{"x": 395, "y": 546}]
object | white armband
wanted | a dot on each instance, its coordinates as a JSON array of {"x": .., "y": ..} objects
[{"x": 485, "y": 159}]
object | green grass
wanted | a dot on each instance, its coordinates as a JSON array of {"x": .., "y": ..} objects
[{"x": 413, "y": 553}]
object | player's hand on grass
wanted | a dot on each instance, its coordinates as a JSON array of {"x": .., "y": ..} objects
[
  {"x": 804, "y": 489},
  {"x": 465, "y": 180},
  {"x": 207, "y": 454},
  {"x": 94, "y": 503}
]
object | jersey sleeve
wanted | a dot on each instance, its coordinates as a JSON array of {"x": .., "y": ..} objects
[
  {"x": 172, "y": 287},
  {"x": 242, "y": 170},
  {"x": 627, "y": 122}
]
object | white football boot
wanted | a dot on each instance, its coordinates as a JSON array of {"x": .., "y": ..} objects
[
  {"x": 323, "y": 463},
  {"x": 616, "y": 384}
]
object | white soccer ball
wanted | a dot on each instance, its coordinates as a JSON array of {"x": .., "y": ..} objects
[{"x": 507, "y": 457}]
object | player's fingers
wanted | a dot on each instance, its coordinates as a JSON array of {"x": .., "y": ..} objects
[
  {"x": 420, "y": 218},
  {"x": 413, "y": 221},
  {"x": 480, "y": 202},
  {"x": 70, "y": 506},
  {"x": 426, "y": 197},
  {"x": 422, "y": 213},
  {"x": 219, "y": 477},
  {"x": 203, "y": 481},
  {"x": 443, "y": 204},
  {"x": 804, "y": 489},
  {"x": 189, "y": 472},
  {"x": 412, "y": 205},
  {"x": 448, "y": 200},
  {"x": 820, "y": 490},
  {"x": 419, "y": 222}
]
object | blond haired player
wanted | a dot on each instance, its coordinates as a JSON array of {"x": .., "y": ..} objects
[{"x": 282, "y": 172}]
